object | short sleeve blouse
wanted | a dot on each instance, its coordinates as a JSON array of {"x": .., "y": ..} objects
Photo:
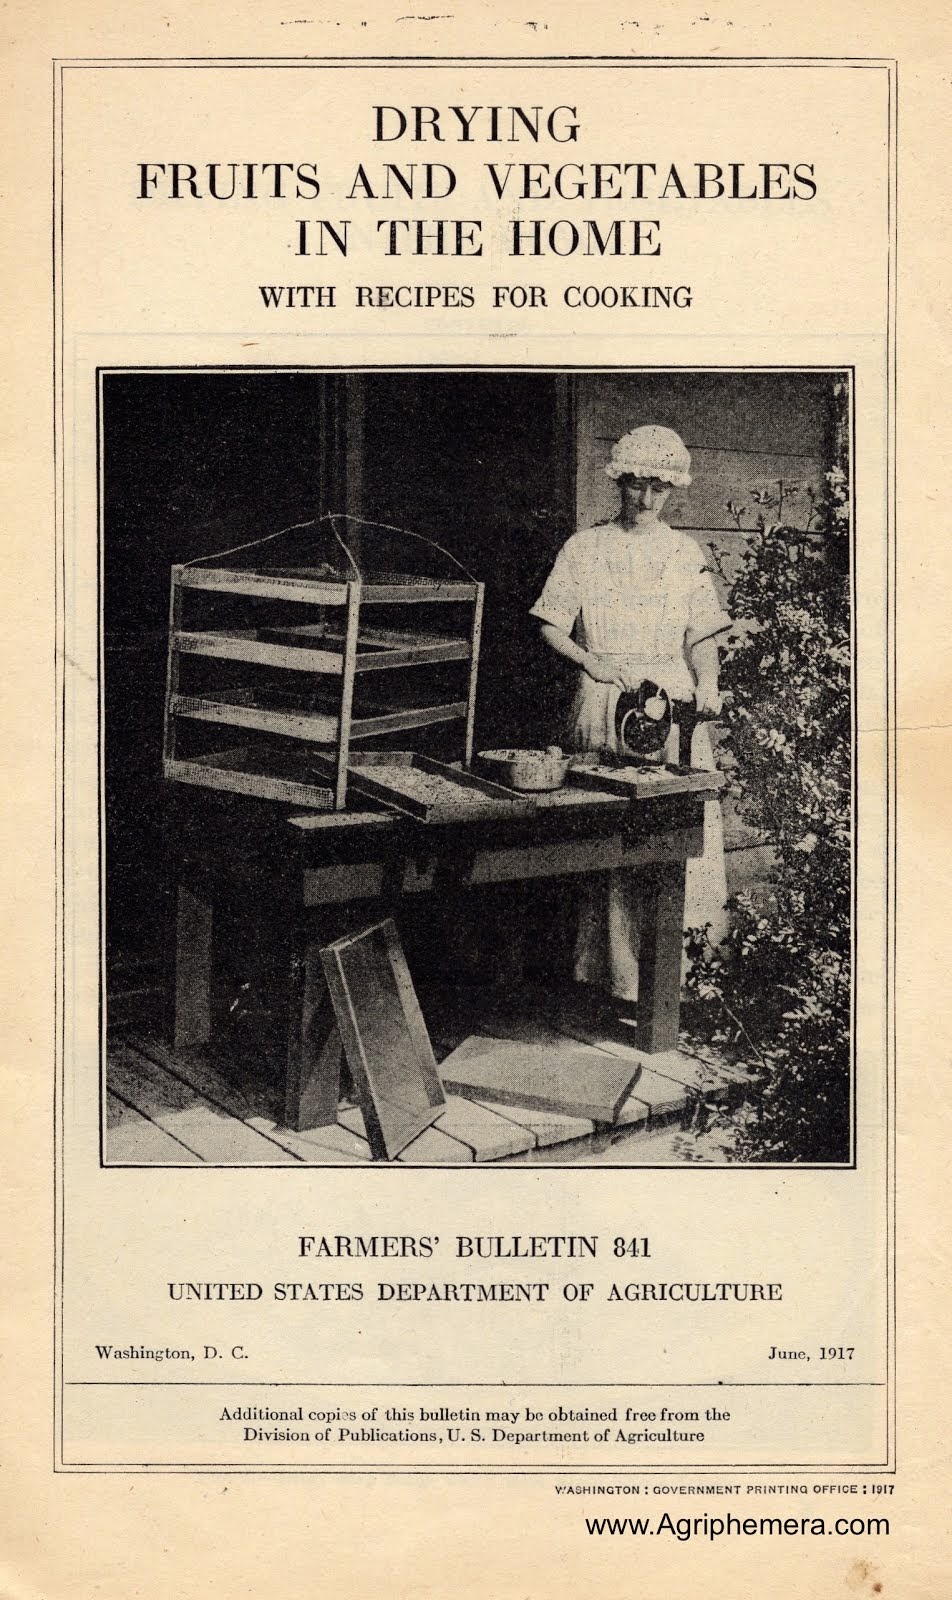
[{"x": 628, "y": 593}]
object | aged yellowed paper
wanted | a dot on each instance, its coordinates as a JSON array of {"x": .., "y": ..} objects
[{"x": 382, "y": 1194}]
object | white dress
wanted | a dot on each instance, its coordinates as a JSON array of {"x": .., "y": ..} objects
[{"x": 630, "y": 595}]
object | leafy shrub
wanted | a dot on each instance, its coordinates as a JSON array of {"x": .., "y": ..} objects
[{"x": 776, "y": 993}]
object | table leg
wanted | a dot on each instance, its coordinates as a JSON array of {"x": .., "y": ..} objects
[
  {"x": 192, "y": 988},
  {"x": 659, "y": 970}
]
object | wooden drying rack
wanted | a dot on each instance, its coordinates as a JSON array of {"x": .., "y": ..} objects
[{"x": 327, "y": 648}]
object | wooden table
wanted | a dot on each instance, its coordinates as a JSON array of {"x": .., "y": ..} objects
[{"x": 298, "y": 865}]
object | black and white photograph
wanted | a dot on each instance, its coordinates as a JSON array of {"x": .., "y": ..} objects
[{"x": 477, "y": 766}]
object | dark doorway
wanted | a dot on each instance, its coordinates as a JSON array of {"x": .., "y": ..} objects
[{"x": 198, "y": 462}]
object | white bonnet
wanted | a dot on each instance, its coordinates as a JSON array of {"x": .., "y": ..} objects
[{"x": 651, "y": 453}]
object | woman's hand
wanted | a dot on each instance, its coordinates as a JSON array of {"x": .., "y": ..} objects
[
  {"x": 707, "y": 700},
  {"x": 633, "y": 678},
  {"x": 603, "y": 671},
  {"x": 558, "y": 640}
]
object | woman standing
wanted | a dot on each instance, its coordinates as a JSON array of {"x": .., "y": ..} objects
[{"x": 628, "y": 600}]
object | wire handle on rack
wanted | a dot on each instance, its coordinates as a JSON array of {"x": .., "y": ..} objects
[{"x": 332, "y": 517}]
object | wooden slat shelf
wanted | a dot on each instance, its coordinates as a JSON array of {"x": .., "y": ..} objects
[
  {"x": 264, "y": 647},
  {"x": 389, "y": 586},
  {"x": 392, "y": 638},
  {"x": 297, "y": 585},
  {"x": 262, "y": 585},
  {"x": 413, "y": 655},
  {"x": 413, "y": 594},
  {"x": 377, "y": 648},
  {"x": 242, "y": 712},
  {"x": 243, "y": 644},
  {"x": 241, "y": 708},
  {"x": 412, "y": 717}
]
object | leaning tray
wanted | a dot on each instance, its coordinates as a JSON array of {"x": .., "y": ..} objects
[{"x": 403, "y": 780}]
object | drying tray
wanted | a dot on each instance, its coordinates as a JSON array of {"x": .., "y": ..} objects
[
  {"x": 431, "y": 791},
  {"x": 643, "y": 783}
]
